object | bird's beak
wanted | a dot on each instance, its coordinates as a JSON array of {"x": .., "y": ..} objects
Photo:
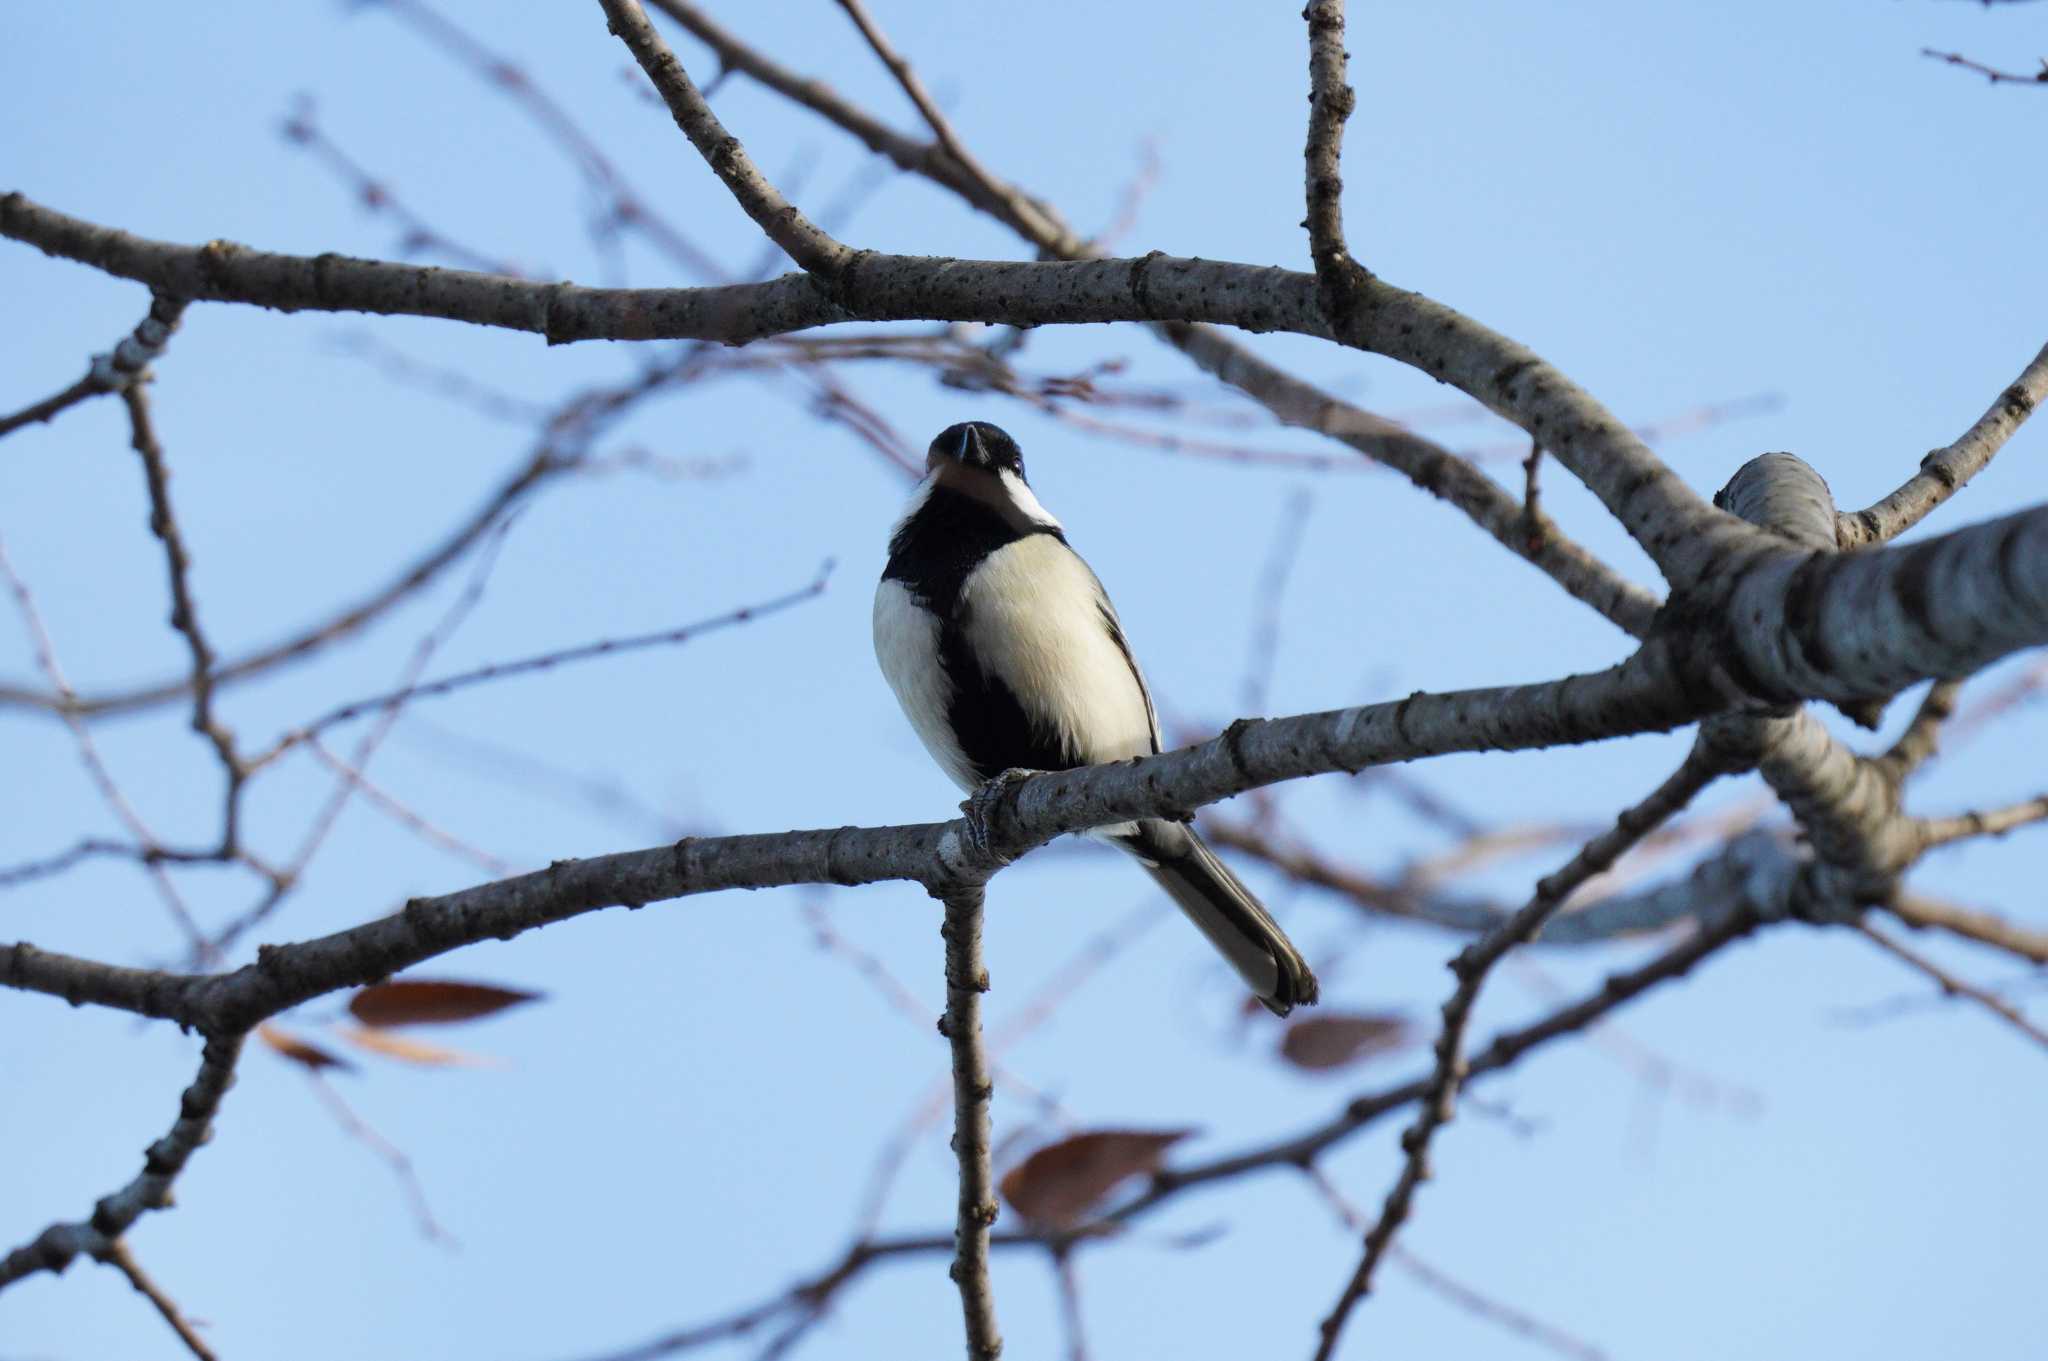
[{"x": 970, "y": 438}]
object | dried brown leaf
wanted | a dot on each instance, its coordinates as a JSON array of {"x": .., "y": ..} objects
[
  {"x": 1321, "y": 1043},
  {"x": 408, "y": 1001},
  {"x": 1057, "y": 1185},
  {"x": 301, "y": 1051},
  {"x": 409, "y": 1050}
]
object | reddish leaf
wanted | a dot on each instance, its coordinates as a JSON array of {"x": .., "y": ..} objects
[
  {"x": 1061, "y": 1182},
  {"x": 301, "y": 1051},
  {"x": 431, "y": 1002},
  {"x": 1320, "y": 1043},
  {"x": 409, "y": 1050}
]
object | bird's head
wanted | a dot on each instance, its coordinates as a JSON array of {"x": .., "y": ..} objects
[{"x": 977, "y": 445}]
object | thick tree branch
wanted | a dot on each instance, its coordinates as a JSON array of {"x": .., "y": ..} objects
[
  {"x": 1683, "y": 534},
  {"x": 1429, "y": 466},
  {"x": 1848, "y": 626}
]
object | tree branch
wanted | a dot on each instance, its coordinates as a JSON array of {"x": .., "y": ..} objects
[
  {"x": 966, "y": 981},
  {"x": 1922, "y": 913},
  {"x": 1955, "y": 987},
  {"x": 1472, "y": 964},
  {"x": 1944, "y": 471},
  {"x": 1340, "y": 279},
  {"x": 114, "y": 371},
  {"x": 117, "y": 1255},
  {"x": 54, "y": 1249},
  {"x": 800, "y": 238}
]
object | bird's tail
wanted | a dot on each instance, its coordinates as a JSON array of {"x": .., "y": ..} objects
[{"x": 1217, "y": 901}]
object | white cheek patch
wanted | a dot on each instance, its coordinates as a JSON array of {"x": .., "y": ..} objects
[
  {"x": 1035, "y": 620},
  {"x": 1019, "y": 493},
  {"x": 907, "y": 646}
]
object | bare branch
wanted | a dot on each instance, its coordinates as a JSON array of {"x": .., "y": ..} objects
[
  {"x": 114, "y": 371},
  {"x": 89, "y": 753},
  {"x": 1992, "y": 74},
  {"x": 1432, "y": 468},
  {"x": 1029, "y": 217},
  {"x": 966, "y": 981},
  {"x": 808, "y": 1296},
  {"x": 547, "y": 661},
  {"x": 116, "y": 1255},
  {"x": 54, "y": 1248},
  {"x": 1471, "y": 967},
  {"x": 163, "y": 523},
  {"x": 1917, "y": 744},
  {"x": 800, "y": 238},
  {"x": 1956, "y": 987},
  {"x": 1988, "y": 822},
  {"x": 1340, "y": 279},
  {"x": 1944, "y": 471},
  {"x": 1921, "y": 912}
]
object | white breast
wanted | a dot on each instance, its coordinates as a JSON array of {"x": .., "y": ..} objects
[
  {"x": 907, "y": 646},
  {"x": 1034, "y": 616}
]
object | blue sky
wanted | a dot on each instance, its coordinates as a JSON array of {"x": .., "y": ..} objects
[{"x": 1677, "y": 204}]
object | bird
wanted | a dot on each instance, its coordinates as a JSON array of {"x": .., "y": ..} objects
[{"x": 1006, "y": 654}]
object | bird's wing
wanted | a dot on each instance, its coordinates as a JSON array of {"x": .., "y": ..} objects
[{"x": 1038, "y": 625}]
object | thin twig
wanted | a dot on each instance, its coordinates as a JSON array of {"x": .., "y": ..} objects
[
  {"x": 1988, "y": 822},
  {"x": 547, "y": 661},
  {"x": 347, "y": 783},
  {"x": 394, "y": 1157},
  {"x": 1262, "y": 654},
  {"x": 1991, "y": 74},
  {"x": 1028, "y": 216},
  {"x": 1986, "y": 928},
  {"x": 420, "y": 236},
  {"x": 89, "y": 755},
  {"x": 163, "y": 523},
  {"x": 406, "y": 816},
  {"x": 1953, "y": 986},
  {"x": 807, "y": 1297},
  {"x": 115, "y": 371},
  {"x": 624, "y": 208},
  {"x": 1917, "y": 744},
  {"x": 116, "y": 1255},
  {"x": 1471, "y": 967},
  {"x": 1068, "y": 1277},
  {"x": 1944, "y": 471},
  {"x": 803, "y": 240},
  {"x": 966, "y": 981}
]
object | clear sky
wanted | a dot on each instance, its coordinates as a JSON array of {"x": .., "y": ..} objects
[{"x": 1677, "y": 204}]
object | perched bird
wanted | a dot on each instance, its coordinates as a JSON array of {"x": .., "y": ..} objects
[{"x": 1005, "y": 653}]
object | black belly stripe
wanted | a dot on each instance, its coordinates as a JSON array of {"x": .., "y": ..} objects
[{"x": 994, "y": 732}]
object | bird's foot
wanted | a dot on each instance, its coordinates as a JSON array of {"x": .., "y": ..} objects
[{"x": 980, "y": 806}]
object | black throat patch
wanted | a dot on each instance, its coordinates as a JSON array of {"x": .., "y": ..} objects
[{"x": 933, "y": 551}]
